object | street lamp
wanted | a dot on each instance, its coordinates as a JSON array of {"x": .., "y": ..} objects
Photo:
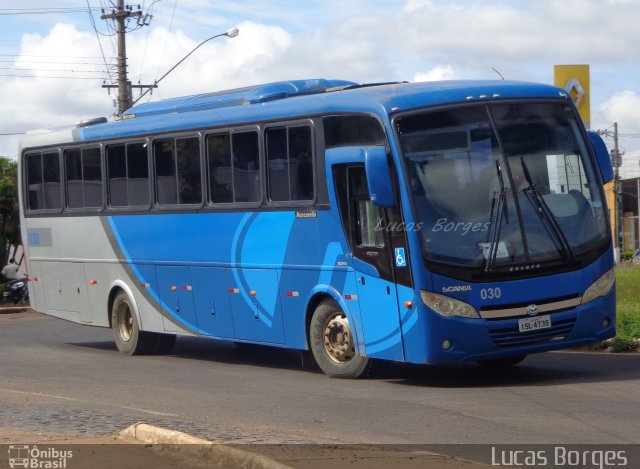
[{"x": 231, "y": 33}]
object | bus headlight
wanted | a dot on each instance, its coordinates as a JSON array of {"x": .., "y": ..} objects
[
  {"x": 448, "y": 307},
  {"x": 600, "y": 287}
]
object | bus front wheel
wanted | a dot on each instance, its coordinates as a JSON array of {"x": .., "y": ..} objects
[
  {"x": 130, "y": 340},
  {"x": 332, "y": 343}
]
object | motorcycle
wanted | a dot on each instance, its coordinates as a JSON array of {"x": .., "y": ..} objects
[{"x": 17, "y": 291}]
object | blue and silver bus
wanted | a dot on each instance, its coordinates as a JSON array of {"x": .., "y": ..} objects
[{"x": 440, "y": 222}]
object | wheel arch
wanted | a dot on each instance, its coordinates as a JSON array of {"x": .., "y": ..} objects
[
  {"x": 116, "y": 287},
  {"x": 326, "y": 292}
]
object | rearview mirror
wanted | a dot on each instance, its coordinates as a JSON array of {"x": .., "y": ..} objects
[
  {"x": 378, "y": 177},
  {"x": 602, "y": 155}
]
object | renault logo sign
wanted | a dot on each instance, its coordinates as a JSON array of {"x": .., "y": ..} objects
[
  {"x": 575, "y": 80},
  {"x": 575, "y": 89},
  {"x": 532, "y": 310}
]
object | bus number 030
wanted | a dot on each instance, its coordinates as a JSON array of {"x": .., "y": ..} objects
[{"x": 490, "y": 293}]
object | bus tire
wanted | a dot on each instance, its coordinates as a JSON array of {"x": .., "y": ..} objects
[
  {"x": 130, "y": 340},
  {"x": 502, "y": 362},
  {"x": 164, "y": 343},
  {"x": 332, "y": 343}
]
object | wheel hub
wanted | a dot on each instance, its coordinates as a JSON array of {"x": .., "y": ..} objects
[
  {"x": 337, "y": 339},
  {"x": 125, "y": 322}
]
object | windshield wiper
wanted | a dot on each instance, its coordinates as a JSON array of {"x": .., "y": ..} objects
[
  {"x": 496, "y": 223},
  {"x": 545, "y": 214}
]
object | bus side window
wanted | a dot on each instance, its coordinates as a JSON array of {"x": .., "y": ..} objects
[
  {"x": 246, "y": 167},
  {"x": 127, "y": 175},
  {"x": 43, "y": 181},
  {"x": 165, "y": 172},
  {"x": 137, "y": 174},
  {"x": 234, "y": 167},
  {"x": 189, "y": 176},
  {"x": 177, "y": 171},
  {"x": 117, "y": 175},
  {"x": 364, "y": 223},
  {"x": 368, "y": 217},
  {"x": 290, "y": 163},
  {"x": 83, "y": 177}
]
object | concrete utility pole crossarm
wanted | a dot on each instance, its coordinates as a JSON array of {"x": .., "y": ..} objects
[{"x": 120, "y": 15}]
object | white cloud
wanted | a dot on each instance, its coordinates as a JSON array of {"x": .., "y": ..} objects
[
  {"x": 366, "y": 41},
  {"x": 44, "y": 102},
  {"x": 218, "y": 64},
  {"x": 440, "y": 72},
  {"x": 571, "y": 30},
  {"x": 624, "y": 108}
]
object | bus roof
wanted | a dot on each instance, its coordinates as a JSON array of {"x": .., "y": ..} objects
[{"x": 288, "y": 100}]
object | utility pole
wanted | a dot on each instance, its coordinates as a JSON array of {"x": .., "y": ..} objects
[
  {"x": 618, "y": 188},
  {"x": 119, "y": 16},
  {"x": 616, "y": 161}
]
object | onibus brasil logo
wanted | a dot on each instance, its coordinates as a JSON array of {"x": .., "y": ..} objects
[{"x": 36, "y": 458}]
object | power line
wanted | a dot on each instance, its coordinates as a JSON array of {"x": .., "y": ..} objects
[
  {"x": 104, "y": 58},
  {"x": 166, "y": 39},
  {"x": 121, "y": 15},
  {"x": 46, "y": 76},
  {"x": 146, "y": 39},
  {"x": 58, "y": 70},
  {"x": 51, "y": 56},
  {"x": 40, "y": 11},
  {"x": 42, "y": 62}
]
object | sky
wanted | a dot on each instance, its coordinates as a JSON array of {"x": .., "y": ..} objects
[{"x": 56, "y": 54}]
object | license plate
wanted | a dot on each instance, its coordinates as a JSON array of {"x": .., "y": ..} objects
[{"x": 533, "y": 324}]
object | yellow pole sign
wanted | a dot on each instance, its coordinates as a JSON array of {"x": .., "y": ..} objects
[{"x": 575, "y": 79}]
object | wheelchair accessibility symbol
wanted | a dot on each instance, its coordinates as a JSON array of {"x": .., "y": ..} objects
[{"x": 401, "y": 260}]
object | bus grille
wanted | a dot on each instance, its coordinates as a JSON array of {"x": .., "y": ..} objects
[{"x": 512, "y": 337}]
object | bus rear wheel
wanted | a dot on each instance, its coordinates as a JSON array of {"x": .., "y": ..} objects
[
  {"x": 332, "y": 343},
  {"x": 130, "y": 340}
]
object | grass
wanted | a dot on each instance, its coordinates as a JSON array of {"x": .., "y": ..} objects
[{"x": 628, "y": 311}]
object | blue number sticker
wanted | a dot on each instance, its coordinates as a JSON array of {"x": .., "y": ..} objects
[
  {"x": 401, "y": 260},
  {"x": 34, "y": 239}
]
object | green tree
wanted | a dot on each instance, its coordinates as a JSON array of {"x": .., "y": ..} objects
[{"x": 9, "y": 219}]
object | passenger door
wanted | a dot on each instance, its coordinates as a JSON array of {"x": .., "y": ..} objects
[{"x": 367, "y": 230}]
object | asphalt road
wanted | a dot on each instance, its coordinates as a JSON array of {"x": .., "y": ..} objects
[{"x": 63, "y": 378}]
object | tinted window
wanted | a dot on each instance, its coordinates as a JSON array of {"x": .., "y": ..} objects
[
  {"x": 188, "y": 159},
  {"x": 234, "y": 167},
  {"x": 128, "y": 175},
  {"x": 177, "y": 168},
  {"x": 341, "y": 131},
  {"x": 220, "y": 170},
  {"x": 290, "y": 163},
  {"x": 117, "y": 175},
  {"x": 165, "y": 172},
  {"x": 137, "y": 174},
  {"x": 43, "y": 181},
  {"x": 83, "y": 172}
]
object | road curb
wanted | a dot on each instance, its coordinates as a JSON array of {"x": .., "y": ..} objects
[
  {"x": 215, "y": 454},
  {"x": 14, "y": 309}
]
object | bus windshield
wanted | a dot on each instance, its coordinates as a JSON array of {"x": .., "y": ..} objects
[{"x": 502, "y": 187}]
